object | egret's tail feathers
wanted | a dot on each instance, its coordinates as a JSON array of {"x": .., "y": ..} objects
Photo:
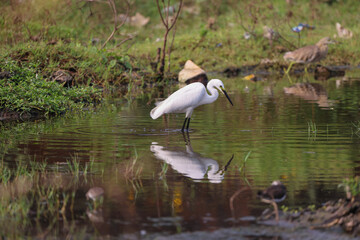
[
  {"x": 155, "y": 113},
  {"x": 158, "y": 103}
]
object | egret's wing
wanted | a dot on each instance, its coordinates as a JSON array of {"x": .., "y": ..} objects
[
  {"x": 184, "y": 98},
  {"x": 158, "y": 103},
  {"x": 179, "y": 101}
]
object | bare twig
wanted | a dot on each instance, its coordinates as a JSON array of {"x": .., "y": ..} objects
[
  {"x": 171, "y": 47},
  {"x": 116, "y": 26},
  {"x": 112, "y": 6},
  {"x": 155, "y": 64},
  {"x": 124, "y": 40},
  {"x": 169, "y": 24}
]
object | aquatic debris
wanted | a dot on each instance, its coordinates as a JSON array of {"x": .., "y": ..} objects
[
  {"x": 192, "y": 73},
  {"x": 324, "y": 73},
  {"x": 343, "y": 32},
  {"x": 343, "y": 213},
  {"x": 250, "y": 77}
]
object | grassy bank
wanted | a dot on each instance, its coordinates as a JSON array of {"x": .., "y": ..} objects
[{"x": 24, "y": 91}]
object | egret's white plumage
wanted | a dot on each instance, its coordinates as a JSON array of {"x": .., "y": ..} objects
[
  {"x": 186, "y": 99},
  {"x": 190, "y": 163}
]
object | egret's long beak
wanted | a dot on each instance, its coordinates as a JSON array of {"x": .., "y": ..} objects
[{"x": 227, "y": 96}]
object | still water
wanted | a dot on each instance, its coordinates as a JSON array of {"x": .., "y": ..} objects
[{"x": 158, "y": 180}]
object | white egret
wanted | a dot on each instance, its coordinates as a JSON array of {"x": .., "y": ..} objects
[{"x": 186, "y": 99}]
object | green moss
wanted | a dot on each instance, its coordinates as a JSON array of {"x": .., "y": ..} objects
[{"x": 24, "y": 90}]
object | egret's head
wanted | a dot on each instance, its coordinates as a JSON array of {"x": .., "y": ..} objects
[{"x": 219, "y": 85}]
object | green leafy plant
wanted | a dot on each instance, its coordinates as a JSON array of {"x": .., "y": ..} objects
[
  {"x": 24, "y": 91},
  {"x": 351, "y": 187}
]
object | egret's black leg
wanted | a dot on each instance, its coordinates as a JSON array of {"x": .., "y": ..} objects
[
  {"x": 183, "y": 127},
  {"x": 186, "y": 138},
  {"x": 188, "y": 123}
]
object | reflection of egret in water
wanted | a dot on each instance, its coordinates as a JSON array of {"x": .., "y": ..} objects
[
  {"x": 312, "y": 92},
  {"x": 190, "y": 163}
]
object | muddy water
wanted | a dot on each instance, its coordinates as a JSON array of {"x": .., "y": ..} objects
[{"x": 303, "y": 132}]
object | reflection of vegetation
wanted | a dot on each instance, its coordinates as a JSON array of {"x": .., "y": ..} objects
[
  {"x": 77, "y": 169},
  {"x": 25, "y": 200},
  {"x": 132, "y": 173},
  {"x": 242, "y": 167},
  {"x": 164, "y": 169},
  {"x": 132, "y": 169},
  {"x": 356, "y": 128},
  {"x": 312, "y": 129}
]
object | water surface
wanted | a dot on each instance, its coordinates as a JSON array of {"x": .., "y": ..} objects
[{"x": 158, "y": 180}]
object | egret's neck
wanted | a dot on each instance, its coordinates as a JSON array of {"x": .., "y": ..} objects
[{"x": 214, "y": 94}]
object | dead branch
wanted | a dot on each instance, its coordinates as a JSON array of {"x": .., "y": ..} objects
[
  {"x": 169, "y": 23},
  {"x": 112, "y": 6},
  {"x": 116, "y": 26},
  {"x": 155, "y": 64},
  {"x": 126, "y": 39},
  {"x": 171, "y": 47}
]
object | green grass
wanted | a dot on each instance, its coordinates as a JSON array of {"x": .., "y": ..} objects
[
  {"x": 26, "y": 91},
  {"x": 80, "y": 23}
]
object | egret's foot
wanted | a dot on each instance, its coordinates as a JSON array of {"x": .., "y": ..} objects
[{"x": 186, "y": 138}]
